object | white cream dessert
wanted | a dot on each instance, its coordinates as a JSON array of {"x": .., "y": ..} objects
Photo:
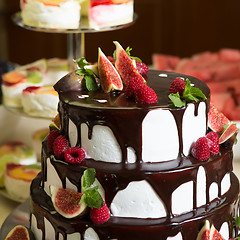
[
  {"x": 159, "y": 170},
  {"x": 60, "y": 14}
]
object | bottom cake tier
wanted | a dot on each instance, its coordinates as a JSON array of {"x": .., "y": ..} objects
[{"x": 46, "y": 223}]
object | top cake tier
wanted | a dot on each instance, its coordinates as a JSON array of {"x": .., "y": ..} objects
[{"x": 114, "y": 128}]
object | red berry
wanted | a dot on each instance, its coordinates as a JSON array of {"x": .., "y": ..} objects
[
  {"x": 133, "y": 84},
  {"x": 60, "y": 146},
  {"x": 51, "y": 137},
  {"x": 100, "y": 215},
  {"x": 178, "y": 85},
  {"x": 74, "y": 155},
  {"x": 142, "y": 67},
  {"x": 200, "y": 149},
  {"x": 145, "y": 94},
  {"x": 111, "y": 59},
  {"x": 213, "y": 142}
]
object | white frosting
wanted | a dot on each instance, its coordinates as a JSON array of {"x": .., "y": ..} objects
[
  {"x": 90, "y": 234},
  {"x": 67, "y": 15},
  {"x": 74, "y": 236},
  {"x": 138, "y": 200},
  {"x": 131, "y": 155},
  {"x": 104, "y": 15},
  {"x": 49, "y": 230},
  {"x": 201, "y": 187},
  {"x": 213, "y": 191},
  {"x": 225, "y": 183},
  {"x": 159, "y": 143},
  {"x": 102, "y": 146},
  {"x": 224, "y": 230},
  {"x": 72, "y": 133},
  {"x": 194, "y": 127},
  {"x": 177, "y": 237},
  {"x": 182, "y": 198},
  {"x": 37, "y": 232}
]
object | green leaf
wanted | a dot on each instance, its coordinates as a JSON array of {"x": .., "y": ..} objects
[
  {"x": 81, "y": 72},
  {"x": 82, "y": 62},
  {"x": 237, "y": 220},
  {"x": 88, "y": 178},
  {"x": 197, "y": 93},
  {"x": 91, "y": 84},
  {"x": 176, "y": 100},
  {"x": 93, "y": 198}
]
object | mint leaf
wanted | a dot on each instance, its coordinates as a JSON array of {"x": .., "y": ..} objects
[
  {"x": 88, "y": 178},
  {"x": 93, "y": 198},
  {"x": 177, "y": 101},
  {"x": 88, "y": 74}
]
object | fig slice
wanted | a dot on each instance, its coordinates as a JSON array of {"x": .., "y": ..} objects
[
  {"x": 20, "y": 232},
  {"x": 214, "y": 234},
  {"x": 204, "y": 233},
  {"x": 66, "y": 202},
  {"x": 109, "y": 77},
  {"x": 216, "y": 120},
  {"x": 70, "y": 82},
  {"x": 228, "y": 133},
  {"x": 125, "y": 66}
]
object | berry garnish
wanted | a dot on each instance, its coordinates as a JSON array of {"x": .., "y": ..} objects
[
  {"x": 100, "y": 215},
  {"x": 141, "y": 67},
  {"x": 213, "y": 142},
  {"x": 51, "y": 137},
  {"x": 133, "y": 84},
  {"x": 145, "y": 94},
  {"x": 74, "y": 155},
  {"x": 178, "y": 85},
  {"x": 200, "y": 149},
  {"x": 60, "y": 146}
]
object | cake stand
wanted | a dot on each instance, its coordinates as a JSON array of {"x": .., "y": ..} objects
[
  {"x": 20, "y": 216},
  {"x": 76, "y": 37}
]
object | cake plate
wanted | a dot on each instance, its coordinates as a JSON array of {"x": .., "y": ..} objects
[
  {"x": 76, "y": 37},
  {"x": 19, "y": 216}
]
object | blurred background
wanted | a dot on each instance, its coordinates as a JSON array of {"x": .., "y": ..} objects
[{"x": 175, "y": 27}]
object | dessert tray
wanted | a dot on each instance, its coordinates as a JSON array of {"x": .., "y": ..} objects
[{"x": 19, "y": 216}]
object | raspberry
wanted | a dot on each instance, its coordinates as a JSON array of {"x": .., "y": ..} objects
[
  {"x": 51, "y": 137},
  {"x": 60, "y": 146},
  {"x": 142, "y": 67},
  {"x": 178, "y": 85},
  {"x": 74, "y": 155},
  {"x": 133, "y": 84},
  {"x": 111, "y": 59},
  {"x": 100, "y": 215},
  {"x": 213, "y": 142},
  {"x": 200, "y": 149},
  {"x": 145, "y": 94}
]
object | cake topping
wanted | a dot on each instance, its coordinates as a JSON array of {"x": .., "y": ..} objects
[
  {"x": 51, "y": 137},
  {"x": 74, "y": 155},
  {"x": 200, "y": 149},
  {"x": 60, "y": 146},
  {"x": 145, "y": 94},
  {"x": 228, "y": 132},
  {"x": 20, "y": 232},
  {"x": 213, "y": 140},
  {"x": 100, "y": 215},
  {"x": 66, "y": 202},
  {"x": 183, "y": 96}
]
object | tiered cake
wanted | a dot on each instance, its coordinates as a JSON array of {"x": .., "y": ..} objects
[{"x": 140, "y": 147}]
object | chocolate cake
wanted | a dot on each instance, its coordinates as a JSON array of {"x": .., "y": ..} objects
[{"x": 154, "y": 184}]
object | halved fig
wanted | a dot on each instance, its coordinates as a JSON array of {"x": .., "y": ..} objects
[
  {"x": 20, "y": 232},
  {"x": 228, "y": 133},
  {"x": 109, "y": 77},
  {"x": 214, "y": 234},
  {"x": 66, "y": 202},
  {"x": 204, "y": 233}
]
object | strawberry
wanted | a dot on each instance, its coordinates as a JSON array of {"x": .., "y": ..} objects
[
  {"x": 100, "y": 215},
  {"x": 74, "y": 155},
  {"x": 145, "y": 94},
  {"x": 178, "y": 85},
  {"x": 141, "y": 67},
  {"x": 133, "y": 84},
  {"x": 200, "y": 149},
  {"x": 60, "y": 146},
  {"x": 51, "y": 137},
  {"x": 213, "y": 142}
]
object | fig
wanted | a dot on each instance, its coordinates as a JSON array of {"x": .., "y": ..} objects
[
  {"x": 125, "y": 66},
  {"x": 70, "y": 82},
  {"x": 20, "y": 232},
  {"x": 204, "y": 233},
  {"x": 228, "y": 133},
  {"x": 109, "y": 77},
  {"x": 66, "y": 202},
  {"x": 216, "y": 119},
  {"x": 214, "y": 234}
]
